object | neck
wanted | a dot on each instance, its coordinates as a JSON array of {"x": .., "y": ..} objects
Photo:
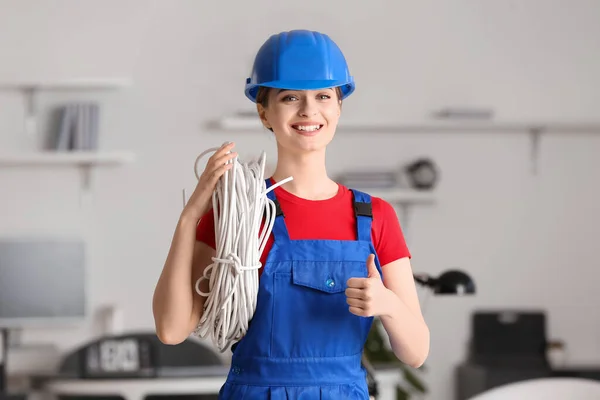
[{"x": 310, "y": 181}]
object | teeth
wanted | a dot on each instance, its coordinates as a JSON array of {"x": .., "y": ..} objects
[{"x": 307, "y": 128}]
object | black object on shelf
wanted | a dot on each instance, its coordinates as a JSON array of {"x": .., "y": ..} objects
[
  {"x": 422, "y": 174},
  {"x": 136, "y": 355},
  {"x": 449, "y": 282},
  {"x": 506, "y": 346},
  {"x": 3, "y": 361},
  {"x": 4, "y": 395},
  {"x": 140, "y": 355}
]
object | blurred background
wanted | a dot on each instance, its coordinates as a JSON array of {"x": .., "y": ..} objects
[{"x": 104, "y": 106}]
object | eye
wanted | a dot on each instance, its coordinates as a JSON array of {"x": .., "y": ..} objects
[
  {"x": 289, "y": 97},
  {"x": 324, "y": 97}
]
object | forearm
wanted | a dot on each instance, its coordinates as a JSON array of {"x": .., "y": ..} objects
[
  {"x": 409, "y": 334},
  {"x": 174, "y": 297}
]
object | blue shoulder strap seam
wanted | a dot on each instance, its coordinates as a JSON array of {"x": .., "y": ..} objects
[{"x": 363, "y": 212}]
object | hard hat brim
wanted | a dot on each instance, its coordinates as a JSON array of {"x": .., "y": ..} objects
[{"x": 346, "y": 86}]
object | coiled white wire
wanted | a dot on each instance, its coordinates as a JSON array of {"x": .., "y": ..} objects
[{"x": 239, "y": 204}]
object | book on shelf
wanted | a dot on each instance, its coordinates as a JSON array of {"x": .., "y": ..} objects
[{"x": 78, "y": 127}]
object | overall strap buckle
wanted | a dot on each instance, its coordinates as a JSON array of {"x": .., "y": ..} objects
[
  {"x": 278, "y": 211},
  {"x": 280, "y": 232},
  {"x": 363, "y": 209}
]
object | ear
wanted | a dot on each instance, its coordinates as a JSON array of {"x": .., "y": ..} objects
[{"x": 262, "y": 113}]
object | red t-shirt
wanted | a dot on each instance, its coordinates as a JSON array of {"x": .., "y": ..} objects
[{"x": 312, "y": 219}]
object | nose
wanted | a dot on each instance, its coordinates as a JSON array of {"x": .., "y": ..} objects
[{"x": 308, "y": 107}]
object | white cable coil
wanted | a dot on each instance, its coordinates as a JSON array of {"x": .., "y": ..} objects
[{"x": 239, "y": 204}]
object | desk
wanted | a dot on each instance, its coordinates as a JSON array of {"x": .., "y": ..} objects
[
  {"x": 138, "y": 389},
  {"x": 135, "y": 389}
]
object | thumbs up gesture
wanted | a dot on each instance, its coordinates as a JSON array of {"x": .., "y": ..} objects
[{"x": 368, "y": 297}]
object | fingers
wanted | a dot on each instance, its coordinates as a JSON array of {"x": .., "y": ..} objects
[
  {"x": 359, "y": 311},
  {"x": 358, "y": 283},
  {"x": 217, "y": 173},
  {"x": 359, "y": 296},
  {"x": 215, "y": 167},
  {"x": 218, "y": 162},
  {"x": 359, "y": 307},
  {"x": 356, "y": 294},
  {"x": 220, "y": 153},
  {"x": 222, "y": 150},
  {"x": 358, "y": 303}
]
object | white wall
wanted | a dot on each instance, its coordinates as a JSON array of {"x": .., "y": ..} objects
[{"x": 529, "y": 241}]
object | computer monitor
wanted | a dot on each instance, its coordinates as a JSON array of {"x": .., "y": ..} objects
[{"x": 42, "y": 282}]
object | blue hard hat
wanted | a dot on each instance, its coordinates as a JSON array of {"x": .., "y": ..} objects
[{"x": 299, "y": 60}]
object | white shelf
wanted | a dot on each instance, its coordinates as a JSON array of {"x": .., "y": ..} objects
[
  {"x": 64, "y": 158},
  {"x": 402, "y": 200},
  {"x": 67, "y": 84},
  {"x": 397, "y": 196},
  {"x": 247, "y": 122}
]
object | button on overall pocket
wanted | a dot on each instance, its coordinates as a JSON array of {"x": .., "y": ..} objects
[{"x": 310, "y": 312}]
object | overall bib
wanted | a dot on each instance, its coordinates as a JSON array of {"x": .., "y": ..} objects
[{"x": 303, "y": 342}]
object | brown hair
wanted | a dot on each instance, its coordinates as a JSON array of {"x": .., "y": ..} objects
[{"x": 262, "y": 96}]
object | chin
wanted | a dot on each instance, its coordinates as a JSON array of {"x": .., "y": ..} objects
[
  {"x": 312, "y": 143},
  {"x": 298, "y": 143},
  {"x": 306, "y": 149}
]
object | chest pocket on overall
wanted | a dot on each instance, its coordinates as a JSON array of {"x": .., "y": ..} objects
[{"x": 310, "y": 313}]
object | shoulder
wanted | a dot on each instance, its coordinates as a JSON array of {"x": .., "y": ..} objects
[
  {"x": 386, "y": 231},
  {"x": 384, "y": 214},
  {"x": 381, "y": 208}
]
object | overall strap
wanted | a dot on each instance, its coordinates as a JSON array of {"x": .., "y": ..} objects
[
  {"x": 363, "y": 211},
  {"x": 280, "y": 231}
]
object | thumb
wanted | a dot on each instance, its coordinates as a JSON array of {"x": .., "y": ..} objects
[{"x": 371, "y": 267}]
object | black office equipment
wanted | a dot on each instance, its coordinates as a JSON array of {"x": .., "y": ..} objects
[
  {"x": 506, "y": 346},
  {"x": 141, "y": 355}
]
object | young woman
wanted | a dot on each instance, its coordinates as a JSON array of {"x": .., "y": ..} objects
[{"x": 336, "y": 257}]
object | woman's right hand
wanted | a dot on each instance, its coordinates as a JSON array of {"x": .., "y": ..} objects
[{"x": 217, "y": 164}]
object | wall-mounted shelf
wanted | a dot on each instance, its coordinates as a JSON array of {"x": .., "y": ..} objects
[
  {"x": 66, "y": 159},
  {"x": 403, "y": 199},
  {"x": 29, "y": 89},
  {"x": 67, "y": 84},
  {"x": 75, "y": 159},
  {"x": 402, "y": 196},
  {"x": 82, "y": 160},
  {"x": 247, "y": 122}
]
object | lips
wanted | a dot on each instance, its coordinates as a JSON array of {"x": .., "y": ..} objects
[{"x": 310, "y": 129}]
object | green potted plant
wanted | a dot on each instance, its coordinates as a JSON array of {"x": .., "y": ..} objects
[{"x": 379, "y": 355}]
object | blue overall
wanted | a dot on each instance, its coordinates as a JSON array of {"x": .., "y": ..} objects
[{"x": 303, "y": 342}]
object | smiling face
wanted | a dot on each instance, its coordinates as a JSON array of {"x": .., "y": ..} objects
[{"x": 302, "y": 120}]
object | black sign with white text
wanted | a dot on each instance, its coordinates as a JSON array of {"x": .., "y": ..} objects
[{"x": 115, "y": 357}]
